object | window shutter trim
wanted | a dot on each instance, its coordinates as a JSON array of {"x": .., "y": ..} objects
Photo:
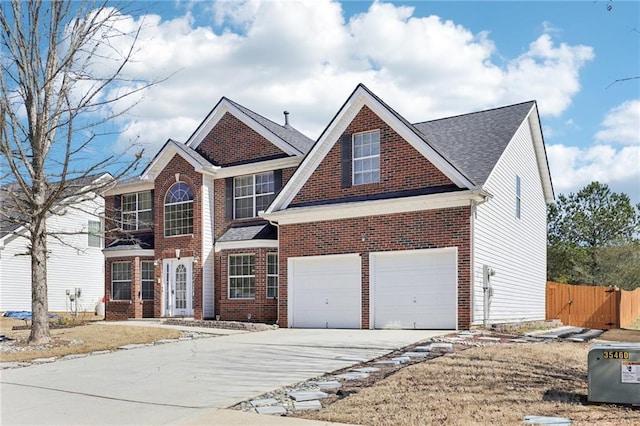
[
  {"x": 229, "y": 198},
  {"x": 346, "y": 159}
]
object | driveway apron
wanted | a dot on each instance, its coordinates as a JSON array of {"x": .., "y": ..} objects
[{"x": 164, "y": 383}]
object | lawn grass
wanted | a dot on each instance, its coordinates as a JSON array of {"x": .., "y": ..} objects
[
  {"x": 483, "y": 386},
  {"x": 90, "y": 337}
]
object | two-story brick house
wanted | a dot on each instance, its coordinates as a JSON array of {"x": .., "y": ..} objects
[
  {"x": 379, "y": 224},
  {"x": 190, "y": 220}
]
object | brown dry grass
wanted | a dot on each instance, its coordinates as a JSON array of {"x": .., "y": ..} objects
[
  {"x": 90, "y": 337},
  {"x": 490, "y": 385}
]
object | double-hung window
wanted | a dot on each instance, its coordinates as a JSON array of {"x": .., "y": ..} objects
[
  {"x": 272, "y": 275},
  {"x": 252, "y": 194},
  {"x": 242, "y": 276},
  {"x": 366, "y": 157},
  {"x": 146, "y": 267},
  {"x": 94, "y": 233},
  {"x": 178, "y": 210},
  {"x": 136, "y": 211},
  {"x": 121, "y": 281}
]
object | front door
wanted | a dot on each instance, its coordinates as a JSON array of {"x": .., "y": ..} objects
[{"x": 178, "y": 287}]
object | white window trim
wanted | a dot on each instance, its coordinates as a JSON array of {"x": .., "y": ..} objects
[
  {"x": 366, "y": 157},
  {"x": 253, "y": 196},
  {"x": 179, "y": 203},
  {"x": 276, "y": 275},
  {"x": 95, "y": 234},
  {"x": 229, "y": 276},
  {"x": 142, "y": 280},
  {"x": 130, "y": 281},
  {"x": 137, "y": 211}
]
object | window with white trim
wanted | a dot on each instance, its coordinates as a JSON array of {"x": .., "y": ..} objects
[
  {"x": 178, "y": 210},
  {"x": 121, "y": 281},
  {"x": 94, "y": 233},
  {"x": 518, "y": 197},
  {"x": 146, "y": 269},
  {"x": 252, "y": 194},
  {"x": 272, "y": 275},
  {"x": 366, "y": 157},
  {"x": 136, "y": 211},
  {"x": 242, "y": 276}
]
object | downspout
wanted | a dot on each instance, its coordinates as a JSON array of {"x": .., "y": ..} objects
[
  {"x": 481, "y": 197},
  {"x": 278, "y": 297}
]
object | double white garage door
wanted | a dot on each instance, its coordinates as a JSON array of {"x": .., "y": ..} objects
[{"x": 408, "y": 289}]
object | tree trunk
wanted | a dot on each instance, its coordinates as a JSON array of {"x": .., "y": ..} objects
[{"x": 39, "y": 302}]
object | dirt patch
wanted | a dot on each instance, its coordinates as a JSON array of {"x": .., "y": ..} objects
[
  {"x": 621, "y": 335},
  {"x": 498, "y": 384}
]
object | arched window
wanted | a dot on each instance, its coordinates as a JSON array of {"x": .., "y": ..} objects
[{"x": 178, "y": 210}]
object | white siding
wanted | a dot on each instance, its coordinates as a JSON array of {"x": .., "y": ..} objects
[
  {"x": 71, "y": 264},
  {"x": 207, "y": 248},
  {"x": 514, "y": 248}
]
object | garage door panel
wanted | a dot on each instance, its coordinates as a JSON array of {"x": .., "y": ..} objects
[
  {"x": 325, "y": 291},
  {"x": 414, "y": 289}
]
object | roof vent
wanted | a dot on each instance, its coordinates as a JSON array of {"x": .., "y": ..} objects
[{"x": 286, "y": 118}]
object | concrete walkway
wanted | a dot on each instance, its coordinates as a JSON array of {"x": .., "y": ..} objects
[{"x": 186, "y": 382}]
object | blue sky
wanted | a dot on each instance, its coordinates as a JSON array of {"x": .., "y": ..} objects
[{"x": 426, "y": 59}]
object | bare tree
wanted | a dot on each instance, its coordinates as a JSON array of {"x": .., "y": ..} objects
[{"x": 63, "y": 81}]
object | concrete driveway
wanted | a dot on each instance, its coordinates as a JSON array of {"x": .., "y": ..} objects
[{"x": 183, "y": 381}]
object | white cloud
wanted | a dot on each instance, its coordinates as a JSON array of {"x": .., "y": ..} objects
[
  {"x": 305, "y": 57},
  {"x": 622, "y": 124},
  {"x": 572, "y": 168}
]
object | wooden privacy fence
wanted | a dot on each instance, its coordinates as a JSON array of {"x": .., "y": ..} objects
[{"x": 592, "y": 306}]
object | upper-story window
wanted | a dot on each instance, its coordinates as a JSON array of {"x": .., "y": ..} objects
[
  {"x": 518, "y": 199},
  {"x": 136, "y": 211},
  {"x": 94, "y": 233},
  {"x": 252, "y": 194},
  {"x": 178, "y": 210},
  {"x": 366, "y": 157}
]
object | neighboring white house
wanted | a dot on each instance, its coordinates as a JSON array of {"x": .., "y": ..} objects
[{"x": 75, "y": 260}]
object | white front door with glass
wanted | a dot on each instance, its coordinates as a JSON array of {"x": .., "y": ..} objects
[{"x": 178, "y": 287}]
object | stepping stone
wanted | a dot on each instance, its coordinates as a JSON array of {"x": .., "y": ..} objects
[
  {"x": 416, "y": 354},
  {"x": 387, "y": 362},
  {"x": 401, "y": 359},
  {"x": 351, "y": 358},
  {"x": 545, "y": 420},
  {"x": 74, "y": 356},
  {"x": 133, "y": 346},
  {"x": 365, "y": 369},
  {"x": 352, "y": 376},
  {"x": 492, "y": 339},
  {"x": 307, "y": 405},
  {"x": 275, "y": 410},
  {"x": 587, "y": 335},
  {"x": 519, "y": 340},
  {"x": 558, "y": 333},
  {"x": 332, "y": 384},
  {"x": 442, "y": 346},
  {"x": 4, "y": 365},
  {"x": 307, "y": 396},
  {"x": 263, "y": 402},
  {"x": 43, "y": 360},
  {"x": 422, "y": 348}
]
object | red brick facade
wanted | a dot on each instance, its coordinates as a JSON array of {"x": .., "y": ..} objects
[
  {"x": 233, "y": 142},
  {"x": 406, "y": 231},
  {"x": 401, "y": 166}
]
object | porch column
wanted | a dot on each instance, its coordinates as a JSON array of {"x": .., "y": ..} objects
[{"x": 136, "y": 280}]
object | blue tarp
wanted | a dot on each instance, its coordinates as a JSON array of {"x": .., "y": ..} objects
[{"x": 25, "y": 315}]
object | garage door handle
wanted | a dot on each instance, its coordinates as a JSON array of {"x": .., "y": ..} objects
[
  {"x": 326, "y": 302},
  {"x": 414, "y": 300}
]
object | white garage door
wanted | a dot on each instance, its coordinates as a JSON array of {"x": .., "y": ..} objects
[
  {"x": 325, "y": 291},
  {"x": 414, "y": 289}
]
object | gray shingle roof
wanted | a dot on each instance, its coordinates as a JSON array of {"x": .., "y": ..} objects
[
  {"x": 285, "y": 132},
  {"x": 474, "y": 142},
  {"x": 260, "y": 231}
]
